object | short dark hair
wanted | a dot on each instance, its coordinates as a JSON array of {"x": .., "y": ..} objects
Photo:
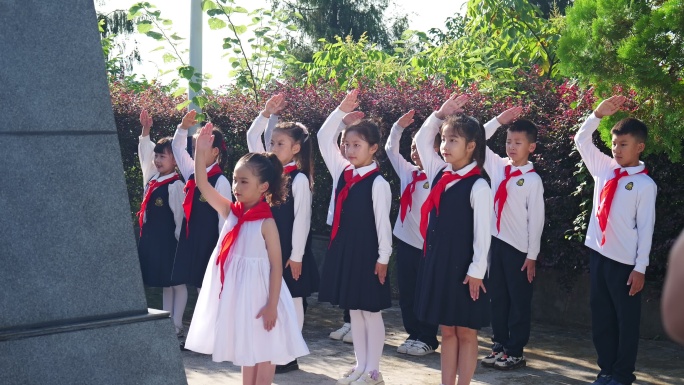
[
  {"x": 526, "y": 126},
  {"x": 631, "y": 126},
  {"x": 163, "y": 146}
]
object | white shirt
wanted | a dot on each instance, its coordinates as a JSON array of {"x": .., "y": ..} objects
[
  {"x": 381, "y": 193},
  {"x": 331, "y": 205},
  {"x": 409, "y": 230},
  {"x": 629, "y": 231},
  {"x": 176, "y": 195},
  {"x": 522, "y": 217},
  {"x": 480, "y": 196},
  {"x": 301, "y": 192},
  {"x": 186, "y": 165}
]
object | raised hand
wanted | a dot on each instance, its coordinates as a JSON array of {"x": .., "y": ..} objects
[
  {"x": 406, "y": 119},
  {"x": 510, "y": 115},
  {"x": 350, "y": 101},
  {"x": 451, "y": 106},
  {"x": 352, "y": 117},
  {"x": 205, "y": 139},
  {"x": 189, "y": 120},
  {"x": 610, "y": 106},
  {"x": 274, "y": 105},
  {"x": 145, "y": 122}
]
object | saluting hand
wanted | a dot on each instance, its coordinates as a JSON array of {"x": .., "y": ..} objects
[
  {"x": 188, "y": 120},
  {"x": 350, "y": 101},
  {"x": 610, "y": 106},
  {"x": 274, "y": 105},
  {"x": 406, "y": 119},
  {"x": 510, "y": 115},
  {"x": 145, "y": 122}
]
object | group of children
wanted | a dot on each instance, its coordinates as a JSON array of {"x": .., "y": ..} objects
[{"x": 465, "y": 251}]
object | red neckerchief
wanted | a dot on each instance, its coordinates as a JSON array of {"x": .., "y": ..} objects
[
  {"x": 607, "y": 195},
  {"x": 190, "y": 193},
  {"x": 349, "y": 180},
  {"x": 260, "y": 211},
  {"x": 289, "y": 169},
  {"x": 502, "y": 193},
  {"x": 406, "y": 200},
  {"x": 151, "y": 186}
]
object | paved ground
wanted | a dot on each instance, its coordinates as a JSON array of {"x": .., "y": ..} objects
[{"x": 555, "y": 356}]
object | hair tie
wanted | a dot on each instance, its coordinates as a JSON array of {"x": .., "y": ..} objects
[{"x": 306, "y": 138}]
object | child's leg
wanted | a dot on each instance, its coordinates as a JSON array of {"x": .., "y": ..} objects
[
  {"x": 604, "y": 325},
  {"x": 519, "y": 290},
  {"x": 500, "y": 299},
  {"x": 358, "y": 326},
  {"x": 180, "y": 299},
  {"x": 449, "y": 357},
  {"x": 265, "y": 371},
  {"x": 249, "y": 375},
  {"x": 375, "y": 337},
  {"x": 167, "y": 299},
  {"x": 467, "y": 354},
  {"x": 299, "y": 309}
]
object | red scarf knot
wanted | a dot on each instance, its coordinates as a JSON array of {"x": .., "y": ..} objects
[
  {"x": 406, "y": 200},
  {"x": 190, "y": 186},
  {"x": 606, "y": 200},
  {"x": 502, "y": 193},
  {"x": 289, "y": 169},
  {"x": 151, "y": 186},
  {"x": 349, "y": 180}
]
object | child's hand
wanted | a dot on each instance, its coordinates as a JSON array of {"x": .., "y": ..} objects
[
  {"x": 381, "y": 272},
  {"x": 610, "y": 106},
  {"x": 451, "y": 106},
  {"x": 188, "y": 120},
  {"x": 636, "y": 281},
  {"x": 145, "y": 122},
  {"x": 475, "y": 285},
  {"x": 530, "y": 265},
  {"x": 269, "y": 314},
  {"x": 205, "y": 139},
  {"x": 352, "y": 117},
  {"x": 406, "y": 119},
  {"x": 274, "y": 105},
  {"x": 509, "y": 116},
  {"x": 295, "y": 267},
  {"x": 350, "y": 101}
]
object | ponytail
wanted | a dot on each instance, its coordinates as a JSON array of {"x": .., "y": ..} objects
[
  {"x": 471, "y": 130},
  {"x": 268, "y": 168},
  {"x": 300, "y": 135}
]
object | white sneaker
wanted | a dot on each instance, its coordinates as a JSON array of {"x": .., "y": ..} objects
[
  {"x": 350, "y": 376},
  {"x": 403, "y": 348},
  {"x": 348, "y": 338},
  {"x": 341, "y": 332},
  {"x": 370, "y": 378},
  {"x": 420, "y": 348},
  {"x": 490, "y": 360}
]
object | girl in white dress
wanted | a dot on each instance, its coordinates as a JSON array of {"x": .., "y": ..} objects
[{"x": 245, "y": 314}]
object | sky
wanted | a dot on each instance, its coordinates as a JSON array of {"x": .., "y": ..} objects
[{"x": 423, "y": 15}]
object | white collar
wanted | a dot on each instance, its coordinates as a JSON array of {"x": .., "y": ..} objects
[
  {"x": 212, "y": 165},
  {"x": 524, "y": 168},
  {"x": 461, "y": 171},
  {"x": 365, "y": 169},
  {"x": 631, "y": 170},
  {"x": 163, "y": 178}
]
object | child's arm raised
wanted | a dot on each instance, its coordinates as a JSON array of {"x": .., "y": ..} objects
[
  {"x": 179, "y": 145},
  {"x": 494, "y": 163},
  {"x": 596, "y": 161},
  {"x": 402, "y": 167},
  {"x": 327, "y": 135},
  {"x": 269, "y": 313},
  {"x": 202, "y": 151},
  {"x": 273, "y": 105},
  {"x": 146, "y": 148}
]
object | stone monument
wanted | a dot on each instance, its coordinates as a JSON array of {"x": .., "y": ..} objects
[{"x": 72, "y": 305}]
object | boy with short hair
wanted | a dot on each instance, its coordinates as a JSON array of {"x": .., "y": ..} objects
[
  {"x": 619, "y": 234},
  {"x": 516, "y": 228}
]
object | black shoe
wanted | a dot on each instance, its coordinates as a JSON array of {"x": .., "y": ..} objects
[
  {"x": 602, "y": 379},
  {"x": 182, "y": 347},
  {"x": 280, "y": 369}
]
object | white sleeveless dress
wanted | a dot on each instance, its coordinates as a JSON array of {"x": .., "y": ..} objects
[{"x": 227, "y": 327}]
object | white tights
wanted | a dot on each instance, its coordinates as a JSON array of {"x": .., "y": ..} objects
[
  {"x": 368, "y": 330},
  {"x": 299, "y": 309},
  {"x": 174, "y": 300}
]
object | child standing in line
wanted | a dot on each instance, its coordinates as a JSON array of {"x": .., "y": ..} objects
[
  {"x": 355, "y": 268},
  {"x": 619, "y": 236},
  {"x": 160, "y": 218},
  {"x": 291, "y": 143},
  {"x": 245, "y": 314},
  {"x": 455, "y": 223},
  {"x": 202, "y": 224},
  {"x": 415, "y": 188},
  {"x": 517, "y": 227}
]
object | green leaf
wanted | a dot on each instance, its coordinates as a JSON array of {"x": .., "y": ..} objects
[
  {"x": 176, "y": 37},
  {"x": 182, "y": 105},
  {"x": 197, "y": 87},
  {"x": 155, "y": 35},
  {"x": 167, "y": 22},
  {"x": 208, "y": 5},
  {"x": 238, "y": 29},
  {"x": 168, "y": 58},
  {"x": 298, "y": 15},
  {"x": 293, "y": 27},
  {"x": 180, "y": 91},
  {"x": 216, "y": 23},
  {"x": 186, "y": 72},
  {"x": 240, "y": 10},
  {"x": 144, "y": 26}
]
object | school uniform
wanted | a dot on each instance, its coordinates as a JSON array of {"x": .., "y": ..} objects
[
  {"x": 620, "y": 243},
  {"x": 517, "y": 225},
  {"x": 456, "y": 243},
  {"x": 415, "y": 188},
  {"x": 161, "y": 215},
  {"x": 202, "y": 224}
]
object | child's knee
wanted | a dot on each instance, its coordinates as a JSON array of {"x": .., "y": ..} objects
[
  {"x": 466, "y": 334},
  {"x": 448, "y": 332}
]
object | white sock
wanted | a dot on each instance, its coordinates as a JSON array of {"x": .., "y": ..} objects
[
  {"x": 167, "y": 299},
  {"x": 375, "y": 337},
  {"x": 358, "y": 329},
  {"x": 180, "y": 299},
  {"x": 299, "y": 309}
]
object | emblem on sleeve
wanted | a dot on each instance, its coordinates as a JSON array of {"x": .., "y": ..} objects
[
  {"x": 159, "y": 202},
  {"x": 520, "y": 182},
  {"x": 202, "y": 198},
  {"x": 426, "y": 185},
  {"x": 629, "y": 186}
]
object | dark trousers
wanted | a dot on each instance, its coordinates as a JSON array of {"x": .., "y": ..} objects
[
  {"x": 346, "y": 317},
  {"x": 615, "y": 318},
  {"x": 408, "y": 260},
  {"x": 511, "y": 299}
]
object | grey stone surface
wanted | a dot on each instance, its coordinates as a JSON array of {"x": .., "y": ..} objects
[
  {"x": 140, "y": 353},
  {"x": 67, "y": 241},
  {"x": 51, "y": 67}
]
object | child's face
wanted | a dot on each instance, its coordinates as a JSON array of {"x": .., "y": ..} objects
[
  {"x": 246, "y": 185},
  {"x": 455, "y": 149},
  {"x": 627, "y": 149},
  {"x": 414, "y": 154},
  {"x": 358, "y": 152},
  {"x": 519, "y": 147},
  {"x": 164, "y": 162},
  {"x": 284, "y": 147}
]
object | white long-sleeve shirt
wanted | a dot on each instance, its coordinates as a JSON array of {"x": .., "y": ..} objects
[
  {"x": 301, "y": 193},
  {"x": 409, "y": 230},
  {"x": 522, "y": 217},
  {"x": 629, "y": 231},
  {"x": 186, "y": 165},
  {"x": 480, "y": 196},
  {"x": 176, "y": 195},
  {"x": 381, "y": 193}
]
